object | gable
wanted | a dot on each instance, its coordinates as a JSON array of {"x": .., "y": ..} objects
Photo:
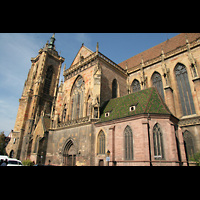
[{"x": 83, "y": 51}]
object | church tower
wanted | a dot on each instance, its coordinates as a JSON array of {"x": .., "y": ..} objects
[{"x": 36, "y": 103}]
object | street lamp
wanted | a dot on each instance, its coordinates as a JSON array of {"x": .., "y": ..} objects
[{"x": 108, "y": 153}]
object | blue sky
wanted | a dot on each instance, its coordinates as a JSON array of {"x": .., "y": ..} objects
[{"x": 16, "y": 50}]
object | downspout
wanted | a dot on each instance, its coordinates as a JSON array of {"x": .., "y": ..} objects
[
  {"x": 113, "y": 145},
  {"x": 149, "y": 140}
]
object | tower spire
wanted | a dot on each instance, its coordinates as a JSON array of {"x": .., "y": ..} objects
[{"x": 52, "y": 40}]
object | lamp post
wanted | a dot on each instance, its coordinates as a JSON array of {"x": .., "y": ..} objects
[{"x": 108, "y": 158}]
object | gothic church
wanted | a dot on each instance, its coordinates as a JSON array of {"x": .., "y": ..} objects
[{"x": 143, "y": 111}]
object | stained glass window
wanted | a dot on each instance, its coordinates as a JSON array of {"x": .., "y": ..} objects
[
  {"x": 128, "y": 137},
  {"x": 157, "y": 82},
  {"x": 135, "y": 86},
  {"x": 184, "y": 90},
  {"x": 158, "y": 142}
]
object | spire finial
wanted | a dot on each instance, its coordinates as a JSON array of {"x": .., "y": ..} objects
[
  {"x": 142, "y": 60},
  {"x": 97, "y": 47},
  {"x": 186, "y": 39},
  {"x": 64, "y": 69},
  {"x": 52, "y": 40}
]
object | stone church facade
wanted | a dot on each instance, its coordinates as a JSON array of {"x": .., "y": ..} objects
[{"x": 144, "y": 111}]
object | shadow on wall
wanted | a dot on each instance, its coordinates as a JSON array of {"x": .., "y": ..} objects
[{"x": 106, "y": 92}]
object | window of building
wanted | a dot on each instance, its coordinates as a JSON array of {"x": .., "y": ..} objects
[
  {"x": 48, "y": 79},
  {"x": 77, "y": 98},
  {"x": 184, "y": 90},
  {"x": 128, "y": 138},
  {"x": 135, "y": 86},
  {"x": 101, "y": 143},
  {"x": 107, "y": 114},
  {"x": 158, "y": 142},
  {"x": 189, "y": 144},
  {"x": 132, "y": 108},
  {"x": 157, "y": 82},
  {"x": 114, "y": 88}
]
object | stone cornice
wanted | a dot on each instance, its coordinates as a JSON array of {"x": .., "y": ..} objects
[
  {"x": 81, "y": 65},
  {"x": 189, "y": 121}
]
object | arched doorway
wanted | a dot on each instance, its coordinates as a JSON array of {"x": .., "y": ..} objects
[
  {"x": 69, "y": 154},
  {"x": 11, "y": 154}
]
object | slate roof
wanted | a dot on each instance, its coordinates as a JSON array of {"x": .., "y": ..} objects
[
  {"x": 168, "y": 45},
  {"x": 146, "y": 101}
]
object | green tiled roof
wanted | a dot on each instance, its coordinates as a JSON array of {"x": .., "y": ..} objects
[{"x": 146, "y": 101}]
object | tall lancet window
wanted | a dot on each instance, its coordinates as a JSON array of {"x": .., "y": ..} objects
[
  {"x": 128, "y": 143},
  {"x": 184, "y": 90},
  {"x": 77, "y": 98},
  {"x": 101, "y": 143},
  {"x": 135, "y": 86},
  {"x": 158, "y": 142},
  {"x": 157, "y": 82},
  {"x": 189, "y": 144},
  {"x": 48, "y": 79},
  {"x": 114, "y": 88}
]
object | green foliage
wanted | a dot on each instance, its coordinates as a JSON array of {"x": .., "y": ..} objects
[
  {"x": 2, "y": 144},
  {"x": 196, "y": 158},
  {"x": 27, "y": 162}
]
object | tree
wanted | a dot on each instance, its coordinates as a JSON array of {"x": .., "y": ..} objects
[
  {"x": 2, "y": 143},
  {"x": 196, "y": 158}
]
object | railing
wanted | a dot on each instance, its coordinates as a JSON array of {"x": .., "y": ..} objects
[{"x": 74, "y": 122}]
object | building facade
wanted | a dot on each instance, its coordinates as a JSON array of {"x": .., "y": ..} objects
[{"x": 145, "y": 110}]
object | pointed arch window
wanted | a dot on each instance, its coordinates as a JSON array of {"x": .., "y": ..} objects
[
  {"x": 101, "y": 143},
  {"x": 184, "y": 90},
  {"x": 114, "y": 88},
  {"x": 158, "y": 142},
  {"x": 128, "y": 143},
  {"x": 157, "y": 82},
  {"x": 77, "y": 98},
  {"x": 135, "y": 86},
  {"x": 189, "y": 144},
  {"x": 48, "y": 79}
]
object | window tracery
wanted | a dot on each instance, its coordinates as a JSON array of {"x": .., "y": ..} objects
[
  {"x": 101, "y": 143},
  {"x": 128, "y": 137},
  {"x": 184, "y": 90},
  {"x": 158, "y": 142},
  {"x": 135, "y": 86},
  {"x": 157, "y": 82},
  {"x": 77, "y": 98}
]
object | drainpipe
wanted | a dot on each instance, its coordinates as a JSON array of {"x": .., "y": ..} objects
[
  {"x": 148, "y": 129},
  {"x": 113, "y": 144}
]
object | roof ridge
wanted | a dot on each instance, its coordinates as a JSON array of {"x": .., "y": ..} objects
[
  {"x": 148, "y": 100},
  {"x": 162, "y": 101},
  {"x": 154, "y": 52}
]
